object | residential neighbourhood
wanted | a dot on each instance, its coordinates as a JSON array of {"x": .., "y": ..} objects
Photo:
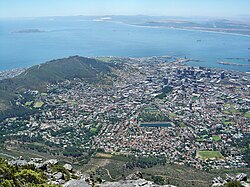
[{"x": 207, "y": 109}]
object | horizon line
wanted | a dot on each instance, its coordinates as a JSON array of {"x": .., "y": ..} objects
[{"x": 146, "y": 15}]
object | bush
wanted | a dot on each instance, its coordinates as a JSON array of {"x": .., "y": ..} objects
[{"x": 233, "y": 184}]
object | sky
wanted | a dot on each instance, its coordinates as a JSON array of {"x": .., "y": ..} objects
[{"x": 211, "y": 8}]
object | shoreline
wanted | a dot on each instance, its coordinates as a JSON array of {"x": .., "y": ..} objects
[
  {"x": 154, "y": 27},
  {"x": 174, "y": 28},
  {"x": 221, "y": 68},
  {"x": 187, "y": 29},
  {"x": 10, "y": 73}
]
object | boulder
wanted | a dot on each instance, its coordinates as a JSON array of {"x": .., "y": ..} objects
[
  {"x": 132, "y": 183},
  {"x": 68, "y": 167},
  {"x": 134, "y": 176},
  {"x": 58, "y": 176},
  {"x": 19, "y": 162},
  {"x": 51, "y": 162},
  {"x": 241, "y": 177},
  {"x": 229, "y": 178},
  {"x": 76, "y": 183}
]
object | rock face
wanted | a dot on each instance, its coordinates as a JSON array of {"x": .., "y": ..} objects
[
  {"x": 76, "y": 183},
  {"x": 18, "y": 162},
  {"x": 44, "y": 166},
  {"x": 242, "y": 178},
  {"x": 68, "y": 167},
  {"x": 135, "y": 176},
  {"x": 58, "y": 176},
  {"x": 132, "y": 183},
  {"x": 51, "y": 162}
]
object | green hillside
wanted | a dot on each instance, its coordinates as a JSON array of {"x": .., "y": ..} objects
[{"x": 37, "y": 77}]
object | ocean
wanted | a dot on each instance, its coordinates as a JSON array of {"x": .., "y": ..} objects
[{"x": 63, "y": 38}]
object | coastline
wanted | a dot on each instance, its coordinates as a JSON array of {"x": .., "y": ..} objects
[
  {"x": 197, "y": 30},
  {"x": 154, "y": 27},
  {"x": 174, "y": 28}
]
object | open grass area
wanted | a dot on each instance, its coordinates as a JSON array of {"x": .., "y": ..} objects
[
  {"x": 113, "y": 170},
  {"x": 247, "y": 115},
  {"x": 182, "y": 125},
  {"x": 172, "y": 115},
  {"x": 103, "y": 155},
  {"x": 73, "y": 103},
  {"x": 93, "y": 130},
  {"x": 199, "y": 139},
  {"x": 179, "y": 175},
  {"x": 230, "y": 111},
  {"x": 210, "y": 155},
  {"x": 216, "y": 138},
  {"x": 38, "y": 104},
  {"x": 58, "y": 101},
  {"x": 228, "y": 122},
  {"x": 28, "y": 103},
  {"x": 113, "y": 157}
]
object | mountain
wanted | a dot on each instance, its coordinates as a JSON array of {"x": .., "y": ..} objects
[{"x": 37, "y": 77}]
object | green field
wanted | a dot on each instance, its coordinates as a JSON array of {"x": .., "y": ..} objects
[
  {"x": 93, "y": 130},
  {"x": 247, "y": 115},
  {"x": 216, "y": 138},
  {"x": 230, "y": 111},
  {"x": 210, "y": 154},
  {"x": 28, "y": 103},
  {"x": 172, "y": 115},
  {"x": 38, "y": 104},
  {"x": 199, "y": 139},
  {"x": 228, "y": 122}
]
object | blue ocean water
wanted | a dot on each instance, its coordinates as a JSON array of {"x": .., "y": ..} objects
[{"x": 64, "y": 38}]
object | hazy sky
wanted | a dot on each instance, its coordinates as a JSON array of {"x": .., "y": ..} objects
[{"x": 34, "y": 8}]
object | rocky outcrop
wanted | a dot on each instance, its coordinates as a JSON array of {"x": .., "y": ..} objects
[
  {"x": 68, "y": 167},
  {"x": 132, "y": 183},
  {"x": 135, "y": 176},
  {"x": 241, "y": 178},
  {"x": 76, "y": 183},
  {"x": 55, "y": 173}
]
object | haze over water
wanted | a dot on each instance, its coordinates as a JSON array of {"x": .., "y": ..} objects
[{"x": 67, "y": 37}]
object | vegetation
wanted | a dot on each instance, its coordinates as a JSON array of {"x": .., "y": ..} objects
[
  {"x": 38, "y": 104},
  {"x": 73, "y": 152},
  {"x": 159, "y": 179},
  {"x": 152, "y": 115},
  {"x": 172, "y": 115},
  {"x": 14, "y": 176},
  {"x": 216, "y": 138},
  {"x": 244, "y": 145},
  {"x": 145, "y": 162},
  {"x": 165, "y": 90},
  {"x": 247, "y": 115},
  {"x": 59, "y": 168},
  {"x": 37, "y": 77},
  {"x": 16, "y": 111},
  {"x": 233, "y": 184},
  {"x": 210, "y": 154}
]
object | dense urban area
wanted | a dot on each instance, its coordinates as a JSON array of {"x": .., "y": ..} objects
[{"x": 152, "y": 110}]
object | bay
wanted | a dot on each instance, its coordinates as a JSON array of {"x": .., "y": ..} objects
[{"x": 62, "y": 38}]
